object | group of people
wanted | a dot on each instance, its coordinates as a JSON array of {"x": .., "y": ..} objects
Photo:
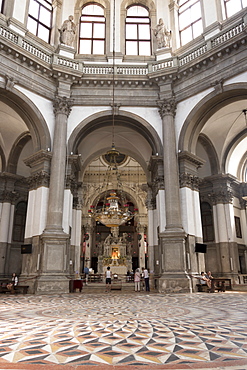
[
  {"x": 205, "y": 279},
  {"x": 141, "y": 276},
  {"x": 138, "y": 278}
]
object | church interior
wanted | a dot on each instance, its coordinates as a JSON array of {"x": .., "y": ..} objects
[{"x": 123, "y": 136}]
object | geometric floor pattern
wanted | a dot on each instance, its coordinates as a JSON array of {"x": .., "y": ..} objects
[{"x": 80, "y": 330}]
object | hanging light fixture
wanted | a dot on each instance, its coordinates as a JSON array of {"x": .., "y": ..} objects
[{"x": 115, "y": 209}]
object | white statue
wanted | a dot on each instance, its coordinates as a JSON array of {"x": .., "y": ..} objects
[
  {"x": 68, "y": 31},
  {"x": 163, "y": 36}
]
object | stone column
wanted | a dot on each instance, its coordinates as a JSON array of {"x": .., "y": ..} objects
[
  {"x": 174, "y": 278},
  {"x": 55, "y": 256},
  {"x": 191, "y": 215},
  {"x": 57, "y": 178},
  {"x": 222, "y": 198},
  {"x": 8, "y": 199}
]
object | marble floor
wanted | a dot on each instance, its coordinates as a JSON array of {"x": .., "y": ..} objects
[{"x": 123, "y": 330}]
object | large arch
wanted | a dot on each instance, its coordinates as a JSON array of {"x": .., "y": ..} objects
[
  {"x": 125, "y": 119},
  {"x": 202, "y": 112},
  {"x": 31, "y": 115}
]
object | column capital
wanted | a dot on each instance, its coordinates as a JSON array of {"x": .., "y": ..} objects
[
  {"x": 167, "y": 107},
  {"x": 188, "y": 180},
  {"x": 62, "y": 105}
]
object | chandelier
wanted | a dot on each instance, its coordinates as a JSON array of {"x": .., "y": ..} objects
[{"x": 115, "y": 210}]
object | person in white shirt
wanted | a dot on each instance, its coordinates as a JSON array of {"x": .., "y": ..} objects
[
  {"x": 108, "y": 279},
  {"x": 146, "y": 279}
]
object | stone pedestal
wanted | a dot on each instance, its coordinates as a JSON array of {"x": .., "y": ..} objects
[
  {"x": 54, "y": 264},
  {"x": 174, "y": 278}
]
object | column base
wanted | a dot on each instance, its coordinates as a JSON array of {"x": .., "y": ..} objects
[
  {"x": 52, "y": 284},
  {"x": 174, "y": 283}
]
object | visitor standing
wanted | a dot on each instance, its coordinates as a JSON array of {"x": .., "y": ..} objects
[
  {"x": 108, "y": 279},
  {"x": 146, "y": 279},
  {"x": 137, "y": 280}
]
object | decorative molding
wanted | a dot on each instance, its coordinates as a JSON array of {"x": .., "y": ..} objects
[
  {"x": 62, "y": 105},
  {"x": 167, "y": 107}
]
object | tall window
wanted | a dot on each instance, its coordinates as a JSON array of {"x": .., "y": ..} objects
[
  {"x": 19, "y": 222},
  {"x": 137, "y": 31},
  {"x": 1, "y": 5},
  {"x": 40, "y": 18},
  {"x": 233, "y": 6},
  {"x": 190, "y": 20},
  {"x": 207, "y": 222},
  {"x": 92, "y": 30}
]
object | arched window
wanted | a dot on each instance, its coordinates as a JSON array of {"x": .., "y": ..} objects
[
  {"x": 1, "y": 6},
  {"x": 231, "y": 7},
  {"x": 40, "y": 18},
  {"x": 92, "y": 30},
  {"x": 137, "y": 31},
  {"x": 207, "y": 222},
  {"x": 190, "y": 20},
  {"x": 19, "y": 222}
]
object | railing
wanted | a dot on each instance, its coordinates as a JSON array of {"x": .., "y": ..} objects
[
  {"x": 75, "y": 65},
  {"x": 163, "y": 65},
  {"x": 9, "y": 35},
  {"x": 242, "y": 279},
  {"x": 227, "y": 35},
  {"x": 69, "y": 63},
  {"x": 192, "y": 55},
  {"x": 30, "y": 48}
]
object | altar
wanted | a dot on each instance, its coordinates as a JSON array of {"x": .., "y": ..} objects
[{"x": 116, "y": 255}]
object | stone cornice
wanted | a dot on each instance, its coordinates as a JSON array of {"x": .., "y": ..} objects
[
  {"x": 191, "y": 158},
  {"x": 38, "y": 158}
]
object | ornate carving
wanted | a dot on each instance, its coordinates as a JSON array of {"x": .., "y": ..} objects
[
  {"x": 189, "y": 181},
  {"x": 222, "y": 196},
  {"x": 167, "y": 107},
  {"x": 62, "y": 105},
  {"x": 9, "y": 196},
  {"x": 9, "y": 83},
  {"x": 39, "y": 179}
]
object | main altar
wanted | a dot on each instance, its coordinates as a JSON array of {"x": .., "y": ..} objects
[{"x": 116, "y": 253}]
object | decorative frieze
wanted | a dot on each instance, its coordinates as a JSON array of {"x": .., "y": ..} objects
[
  {"x": 188, "y": 180},
  {"x": 62, "y": 105},
  {"x": 38, "y": 179},
  {"x": 167, "y": 107}
]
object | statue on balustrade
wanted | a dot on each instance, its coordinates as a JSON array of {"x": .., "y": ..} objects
[
  {"x": 163, "y": 36},
  {"x": 68, "y": 32}
]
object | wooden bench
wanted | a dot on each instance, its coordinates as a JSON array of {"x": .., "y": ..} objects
[
  {"x": 21, "y": 289},
  {"x": 202, "y": 287}
]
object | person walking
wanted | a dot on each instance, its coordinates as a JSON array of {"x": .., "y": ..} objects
[{"x": 137, "y": 280}]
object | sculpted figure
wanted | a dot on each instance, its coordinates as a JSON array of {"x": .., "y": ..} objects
[
  {"x": 163, "y": 36},
  {"x": 67, "y": 32}
]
